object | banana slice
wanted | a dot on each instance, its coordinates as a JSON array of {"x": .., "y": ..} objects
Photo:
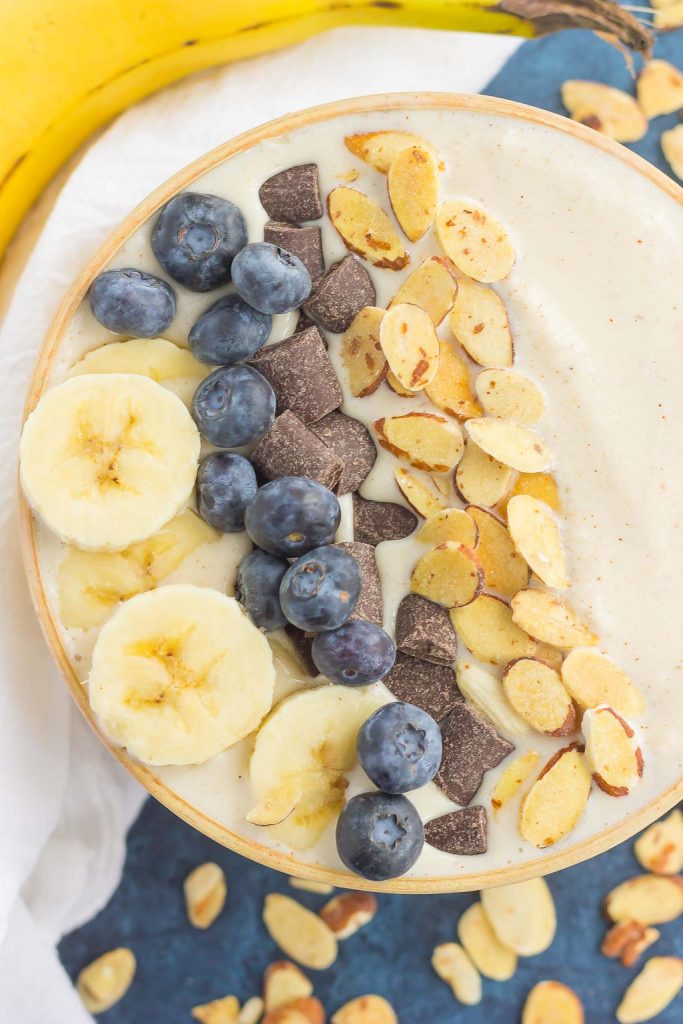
[
  {"x": 162, "y": 360},
  {"x": 308, "y": 743},
  {"x": 179, "y": 674},
  {"x": 107, "y": 459}
]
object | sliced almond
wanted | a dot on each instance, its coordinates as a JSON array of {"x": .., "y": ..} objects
[
  {"x": 380, "y": 148},
  {"x": 660, "y": 847},
  {"x": 251, "y": 1011},
  {"x": 627, "y": 941},
  {"x": 592, "y": 679},
  {"x": 480, "y": 479},
  {"x": 448, "y": 574},
  {"x": 505, "y": 571},
  {"x": 474, "y": 240},
  {"x": 659, "y": 88},
  {"x": 365, "y": 228},
  {"x": 650, "y": 899},
  {"x": 537, "y": 537},
  {"x": 283, "y": 983},
  {"x": 550, "y": 655},
  {"x": 218, "y": 1011},
  {"x": 347, "y": 913},
  {"x": 449, "y": 524},
  {"x": 604, "y": 108},
  {"x": 364, "y": 361},
  {"x": 551, "y": 1002},
  {"x": 276, "y": 806},
  {"x": 442, "y": 484},
  {"x": 479, "y": 321},
  {"x": 422, "y": 498},
  {"x": 509, "y": 395},
  {"x": 410, "y": 345},
  {"x": 538, "y": 485},
  {"x": 413, "y": 182},
  {"x": 450, "y": 389},
  {"x": 299, "y": 933},
  {"x": 514, "y": 776},
  {"x": 511, "y": 444},
  {"x": 484, "y": 691},
  {"x": 486, "y": 628},
  {"x": 423, "y": 439},
  {"x": 550, "y": 620},
  {"x": 612, "y": 752},
  {"x": 669, "y": 17},
  {"x": 396, "y": 386},
  {"x": 106, "y": 980},
  {"x": 308, "y": 1010},
  {"x": 431, "y": 286},
  {"x": 522, "y": 915},
  {"x": 672, "y": 141},
  {"x": 482, "y": 945},
  {"x": 365, "y": 1010},
  {"x": 535, "y": 691},
  {"x": 309, "y": 885},
  {"x": 556, "y": 801},
  {"x": 205, "y": 891},
  {"x": 655, "y": 988},
  {"x": 452, "y": 964}
]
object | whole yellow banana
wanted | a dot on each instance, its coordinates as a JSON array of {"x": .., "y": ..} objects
[{"x": 69, "y": 66}]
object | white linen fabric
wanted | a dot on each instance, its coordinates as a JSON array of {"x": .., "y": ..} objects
[{"x": 65, "y": 804}]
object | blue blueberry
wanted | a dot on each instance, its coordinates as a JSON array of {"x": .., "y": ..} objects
[
  {"x": 270, "y": 278},
  {"x": 320, "y": 589},
  {"x": 226, "y": 484},
  {"x": 196, "y": 237},
  {"x": 379, "y": 835},
  {"x": 233, "y": 406},
  {"x": 229, "y": 332},
  {"x": 292, "y": 515},
  {"x": 356, "y": 654},
  {"x": 399, "y": 748},
  {"x": 258, "y": 588},
  {"x": 131, "y": 302}
]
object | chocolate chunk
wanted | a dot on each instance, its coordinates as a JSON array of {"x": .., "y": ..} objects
[
  {"x": 302, "y": 643},
  {"x": 340, "y": 294},
  {"x": 305, "y": 243},
  {"x": 374, "y": 521},
  {"x": 464, "y": 832},
  {"x": 352, "y": 442},
  {"x": 471, "y": 746},
  {"x": 289, "y": 448},
  {"x": 428, "y": 686},
  {"x": 292, "y": 194},
  {"x": 370, "y": 605},
  {"x": 425, "y": 630},
  {"x": 303, "y": 323},
  {"x": 301, "y": 375}
]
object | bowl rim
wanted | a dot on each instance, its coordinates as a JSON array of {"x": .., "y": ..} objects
[{"x": 252, "y": 849}]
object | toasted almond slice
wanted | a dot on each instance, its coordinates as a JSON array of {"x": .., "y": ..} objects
[
  {"x": 511, "y": 444},
  {"x": 299, "y": 933},
  {"x": 509, "y": 395},
  {"x": 522, "y": 915},
  {"x": 481, "y": 479},
  {"x": 380, "y": 148},
  {"x": 537, "y": 537},
  {"x": 550, "y": 655},
  {"x": 592, "y": 679},
  {"x": 251, "y": 1011},
  {"x": 365, "y": 1010},
  {"x": 413, "y": 182},
  {"x": 474, "y": 240},
  {"x": 551, "y": 1002},
  {"x": 538, "y": 485},
  {"x": 430, "y": 286},
  {"x": 608, "y": 110},
  {"x": 218, "y": 1011},
  {"x": 672, "y": 141},
  {"x": 424, "y": 440},
  {"x": 361, "y": 352},
  {"x": 557, "y": 800},
  {"x": 482, "y": 945},
  {"x": 419, "y": 496},
  {"x": 484, "y": 691},
  {"x": 450, "y": 389},
  {"x": 348, "y": 912},
  {"x": 669, "y": 17},
  {"x": 505, "y": 571},
  {"x": 276, "y": 806},
  {"x": 410, "y": 345},
  {"x": 449, "y": 524},
  {"x": 205, "y": 891},
  {"x": 106, "y": 980},
  {"x": 309, "y": 885},
  {"x": 487, "y": 629},
  {"x": 365, "y": 228},
  {"x": 627, "y": 941},
  {"x": 308, "y": 1010},
  {"x": 449, "y": 575},
  {"x": 660, "y": 847},
  {"x": 453, "y": 965},
  {"x": 443, "y": 486},
  {"x": 396, "y": 386},
  {"x": 550, "y": 620},
  {"x": 514, "y": 776},
  {"x": 479, "y": 321},
  {"x": 655, "y": 988},
  {"x": 659, "y": 88},
  {"x": 612, "y": 752},
  {"x": 283, "y": 983},
  {"x": 535, "y": 691},
  {"x": 650, "y": 899}
]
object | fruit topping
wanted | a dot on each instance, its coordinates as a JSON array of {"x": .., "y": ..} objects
[
  {"x": 399, "y": 748},
  {"x": 379, "y": 835},
  {"x": 301, "y": 375},
  {"x": 270, "y": 279},
  {"x": 226, "y": 484},
  {"x": 257, "y": 587},
  {"x": 289, "y": 448},
  {"x": 150, "y": 357},
  {"x": 128, "y": 301},
  {"x": 365, "y": 228},
  {"x": 233, "y": 406},
  {"x": 337, "y": 297},
  {"x": 229, "y": 332},
  {"x": 320, "y": 590},
  {"x": 196, "y": 237},
  {"x": 291, "y": 516},
  {"x": 356, "y": 654},
  {"x": 292, "y": 194},
  {"x": 463, "y": 833},
  {"x": 471, "y": 747}
]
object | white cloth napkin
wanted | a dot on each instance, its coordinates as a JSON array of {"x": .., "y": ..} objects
[{"x": 65, "y": 804}]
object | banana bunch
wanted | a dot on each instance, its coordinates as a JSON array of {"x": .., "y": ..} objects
[{"x": 68, "y": 68}]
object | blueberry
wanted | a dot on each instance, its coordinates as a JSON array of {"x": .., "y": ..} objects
[
  {"x": 399, "y": 747},
  {"x": 233, "y": 406},
  {"x": 320, "y": 589},
  {"x": 270, "y": 278},
  {"x": 379, "y": 835},
  {"x": 196, "y": 238},
  {"x": 258, "y": 588},
  {"x": 229, "y": 332},
  {"x": 131, "y": 302},
  {"x": 226, "y": 483},
  {"x": 356, "y": 654},
  {"x": 292, "y": 515}
]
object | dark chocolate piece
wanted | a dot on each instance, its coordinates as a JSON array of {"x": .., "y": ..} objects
[
  {"x": 370, "y": 605},
  {"x": 303, "y": 323},
  {"x": 305, "y": 243},
  {"x": 463, "y": 832},
  {"x": 430, "y": 687},
  {"x": 375, "y": 521},
  {"x": 301, "y": 375},
  {"x": 352, "y": 442},
  {"x": 302, "y": 643},
  {"x": 471, "y": 746},
  {"x": 424, "y": 630},
  {"x": 336, "y": 298},
  {"x": 292, "y": 194},
  {"x": 289, "y": 448}
]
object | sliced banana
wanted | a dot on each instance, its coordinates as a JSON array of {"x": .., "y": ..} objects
[
  {"x": 308, "y": 742},
  {"x": 179, "y": 674},
  {"x": 107, "y": 459},
  {"x": 158, "y": 358}
]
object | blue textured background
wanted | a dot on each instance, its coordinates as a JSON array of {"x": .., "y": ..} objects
[{"x": 179, "y": 967}]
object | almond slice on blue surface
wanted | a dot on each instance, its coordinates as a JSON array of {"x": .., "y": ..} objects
[
  {"x": 551, "y": 1002},
  {"x": 650, "y": 899},
  {"x": 660, "y": 88},
  {"x": 655, "y": 988},
  {"x": 453, "y": 965},
  {"x": 522, "y": 915},
  {"x": 660, "y": 848},
  {"x": 488, "y": 954},
  {"x": 604, "y": 108}
]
